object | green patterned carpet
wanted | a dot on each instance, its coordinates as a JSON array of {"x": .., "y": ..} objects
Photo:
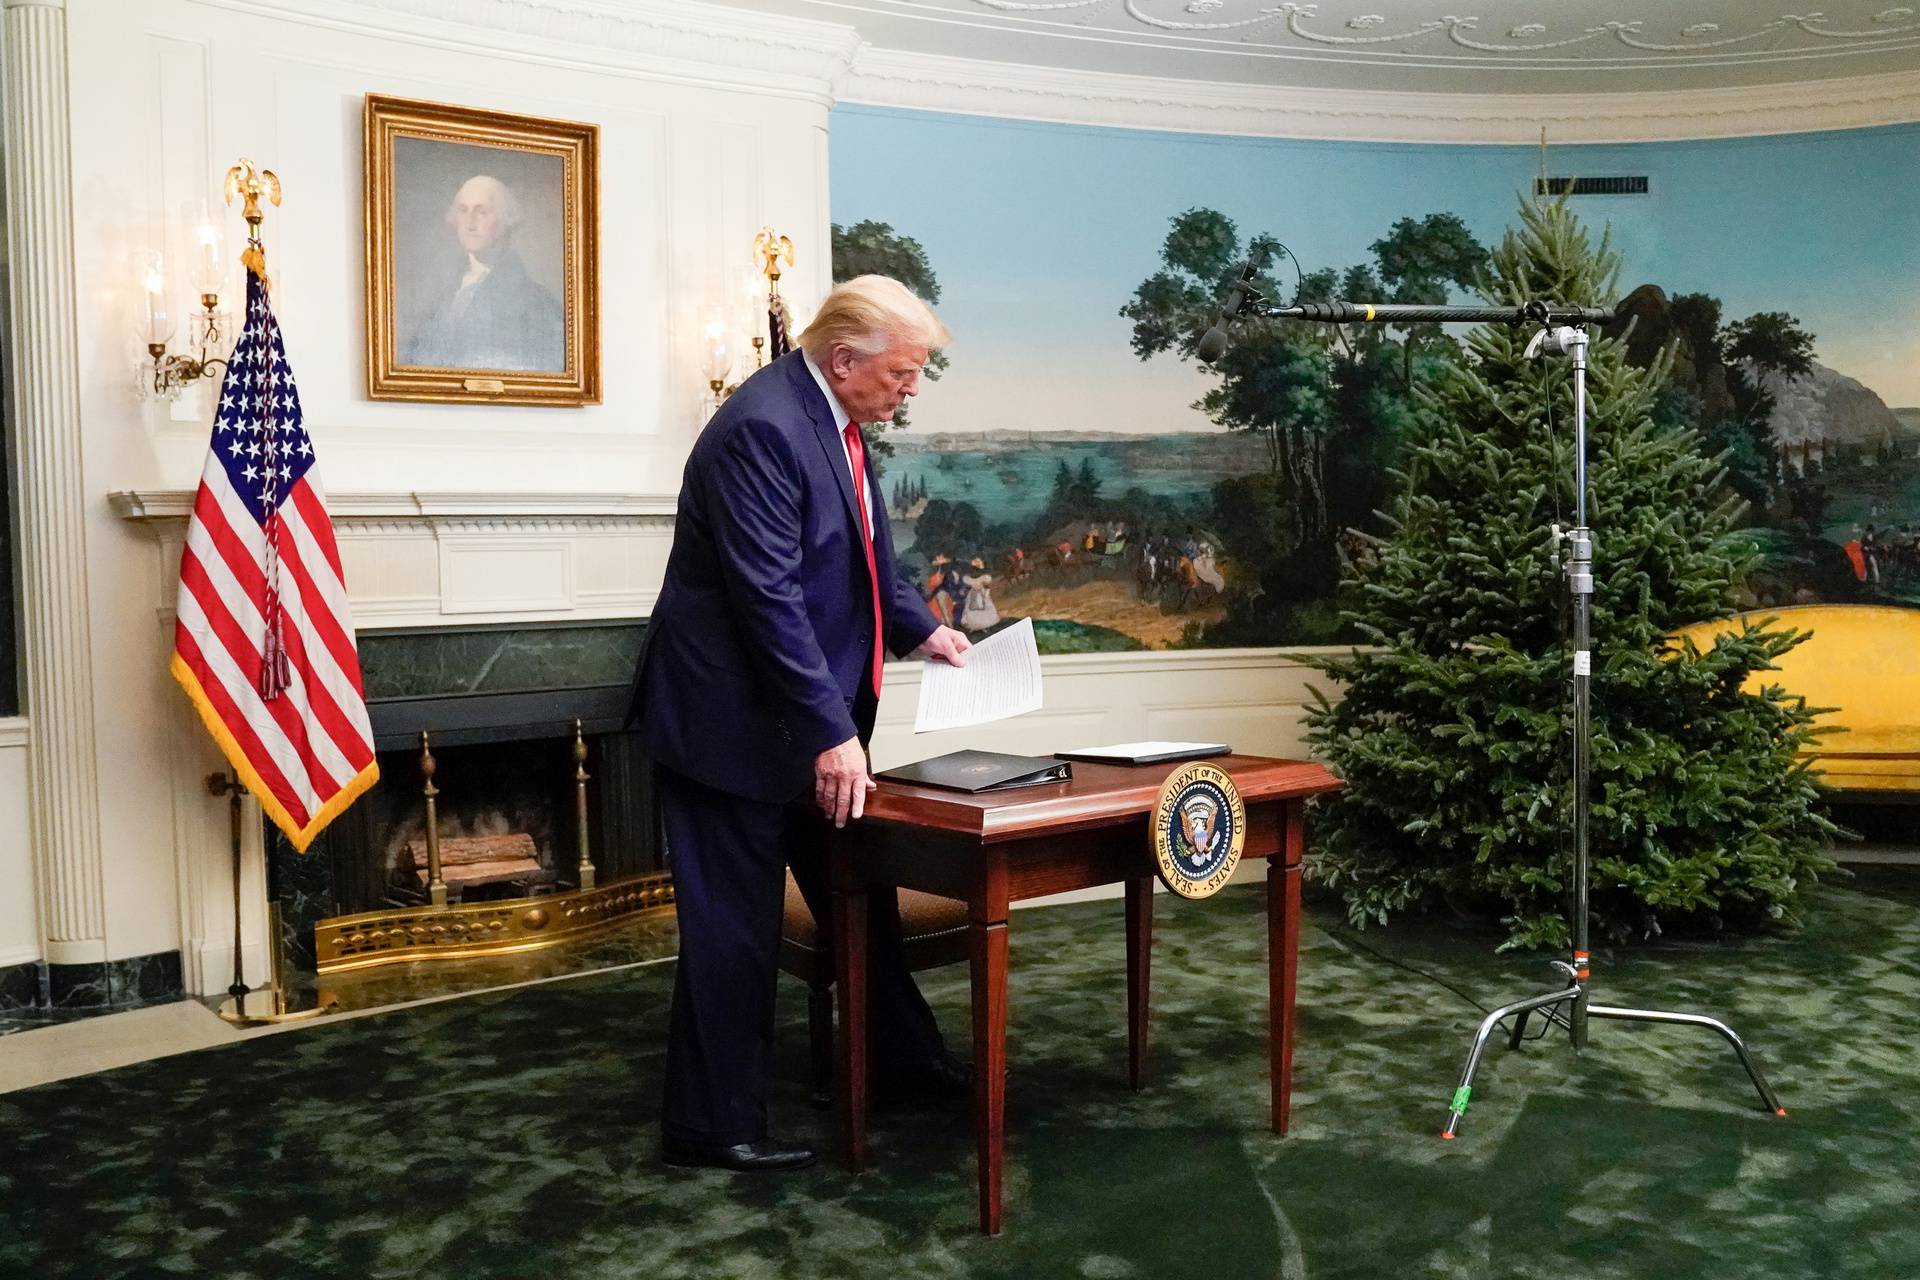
[{"x": 511, "y": 1135}]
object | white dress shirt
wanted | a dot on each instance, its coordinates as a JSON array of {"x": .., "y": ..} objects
[{"x": 840, "y": 420}]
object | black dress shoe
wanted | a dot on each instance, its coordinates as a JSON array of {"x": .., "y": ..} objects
[
  {"x": 769, "y": 1155},
  {"x": 943, "y": 1078}
]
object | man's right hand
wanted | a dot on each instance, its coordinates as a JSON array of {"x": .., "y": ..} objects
[{"x": 841, "y": 781}]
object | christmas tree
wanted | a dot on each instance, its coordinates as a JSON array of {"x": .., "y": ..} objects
[{"x": 1454, "y": 730}]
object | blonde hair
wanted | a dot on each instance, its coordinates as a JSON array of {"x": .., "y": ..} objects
[{"x": 867, "y": 314}]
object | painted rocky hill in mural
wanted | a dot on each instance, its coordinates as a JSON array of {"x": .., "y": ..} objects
[
  {"x": 1812, "y": 409},
  {"x": 1824, "y": 408},
  {"x": 1830, "y": 470}
]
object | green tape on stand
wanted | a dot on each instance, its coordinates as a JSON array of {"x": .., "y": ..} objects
[{"x": 1460, "y": 1097}]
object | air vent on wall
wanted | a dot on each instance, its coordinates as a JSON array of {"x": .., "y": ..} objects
[{"x": 1630, "y": 185}]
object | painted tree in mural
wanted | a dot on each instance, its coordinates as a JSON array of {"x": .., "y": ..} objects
[
  {"x": 875, "y": 248},
  {"x": 1331, "y": 406},
  {"x": 1453, "y": 730},
  {"x": 1723, "y": 377},
  {"x": 1423, "y": 262}
]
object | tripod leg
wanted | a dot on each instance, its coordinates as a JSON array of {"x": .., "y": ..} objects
[
  {"x": 1519, "y": 1029},
  {"x": 1461, "y": 1094},
  {"x": 1767, "y": 1096}
]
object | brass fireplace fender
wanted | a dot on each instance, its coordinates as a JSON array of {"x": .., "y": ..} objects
[
  {"x": 437, "y": 930},
  {"x": 394, "y": 936}
]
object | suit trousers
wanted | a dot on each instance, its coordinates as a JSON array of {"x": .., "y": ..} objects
[{"x": 728, "y": 855}]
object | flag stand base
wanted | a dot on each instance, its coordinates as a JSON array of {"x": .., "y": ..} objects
[
  {"x": 274, "y": 1002},
  {"x": 260, "y": 1008}
]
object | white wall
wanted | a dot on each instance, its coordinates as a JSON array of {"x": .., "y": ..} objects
[
  {"x": 704, "y": 137},
  {"x": 19, "y": 922}
]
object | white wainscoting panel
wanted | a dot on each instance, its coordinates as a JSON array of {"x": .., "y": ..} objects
[{"x": 19, "y": 922}]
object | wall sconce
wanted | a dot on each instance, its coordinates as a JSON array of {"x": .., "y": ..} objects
[
  {"x": 167, "y": 376},
  {"x": 717, "y": 354}
]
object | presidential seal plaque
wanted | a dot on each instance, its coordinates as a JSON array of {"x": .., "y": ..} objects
[{"x": 1199, "y": 827}]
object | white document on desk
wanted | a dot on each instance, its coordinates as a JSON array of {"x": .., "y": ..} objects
[{"x": 1001, "y": 679}]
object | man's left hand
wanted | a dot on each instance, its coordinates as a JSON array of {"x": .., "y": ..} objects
[{"x": 945, "y": 645}]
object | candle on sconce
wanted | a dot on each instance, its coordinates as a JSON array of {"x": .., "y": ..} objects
[
  {"x": 210, "y": 258},
  {"x": 159, "y": 317}
]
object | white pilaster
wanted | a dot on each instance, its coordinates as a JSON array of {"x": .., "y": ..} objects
[{"x": 63, "y": 781}]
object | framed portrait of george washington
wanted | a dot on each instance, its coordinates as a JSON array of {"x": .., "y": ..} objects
[{"x": 482, "y": 255}]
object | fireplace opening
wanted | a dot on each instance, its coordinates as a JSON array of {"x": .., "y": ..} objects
[{"x": 504, "y": 711}]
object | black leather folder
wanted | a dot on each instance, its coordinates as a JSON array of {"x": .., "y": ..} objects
[{"x": 976, "y": 771}]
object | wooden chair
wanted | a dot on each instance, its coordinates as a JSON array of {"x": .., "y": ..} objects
[{"x": 934, "y": 930}]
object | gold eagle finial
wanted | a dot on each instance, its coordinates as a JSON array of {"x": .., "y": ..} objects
[{"x": 251, "y": 183}]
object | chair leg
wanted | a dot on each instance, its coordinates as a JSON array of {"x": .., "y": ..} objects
[{"x": 820, "y": 1034}]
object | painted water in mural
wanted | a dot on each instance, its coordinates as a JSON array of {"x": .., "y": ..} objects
[{"x": 1072, "y": 463}]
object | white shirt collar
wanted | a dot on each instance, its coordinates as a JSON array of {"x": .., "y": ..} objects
[{"x": 840, "y": 415}]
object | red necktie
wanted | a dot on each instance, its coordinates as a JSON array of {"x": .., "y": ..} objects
[{"x": 857, "y": 454}]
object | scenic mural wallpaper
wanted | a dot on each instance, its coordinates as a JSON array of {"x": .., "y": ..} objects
[{"x": 1070, "y": 462}]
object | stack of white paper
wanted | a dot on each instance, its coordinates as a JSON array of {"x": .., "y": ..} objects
[{"x": 1001, "y": 679}]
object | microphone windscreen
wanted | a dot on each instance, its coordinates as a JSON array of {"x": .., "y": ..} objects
[{"x": 1213, "y": 344}]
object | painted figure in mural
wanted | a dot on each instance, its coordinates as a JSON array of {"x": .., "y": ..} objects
[
  {"x": 939, "y": 603},
  {"x": 755, "y": 695},
  {"x": 1203, "y": 568},
  {"x": 1856, "y": 556},
  {"x": 979, "y": 613},
  {"x": 1146, "y": 571},
  {"x": 489, "y": 313}
]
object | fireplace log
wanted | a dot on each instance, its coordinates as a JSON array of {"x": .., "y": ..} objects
[{"x": 473, "y": 861}]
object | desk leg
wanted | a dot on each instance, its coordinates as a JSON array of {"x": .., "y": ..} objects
[
  {"x": 989, "y": 946},
  {"x": 1139, "y": 967},
  {"x": 850, "y": 980},
  {"x": 1283, "y": 962}
]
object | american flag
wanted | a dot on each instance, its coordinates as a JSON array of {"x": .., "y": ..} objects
[
  {"x": 778, "y": 340},
  {"x": 264, "y": 642}
]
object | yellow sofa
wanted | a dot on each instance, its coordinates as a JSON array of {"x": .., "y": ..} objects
[{"x": 1863, "y": 660}]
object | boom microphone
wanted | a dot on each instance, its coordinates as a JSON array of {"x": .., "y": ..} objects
[
  {"x": 1408, "y": 313},
  {"x": 1213, "y": 343}
]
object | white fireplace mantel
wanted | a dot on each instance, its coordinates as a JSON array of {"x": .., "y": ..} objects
[
  {"x": 176, "y": 504},
  {"x": 423, "y": 559}
]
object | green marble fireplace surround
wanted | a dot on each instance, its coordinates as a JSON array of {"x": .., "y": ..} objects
[{"x": 499, "y": 703}]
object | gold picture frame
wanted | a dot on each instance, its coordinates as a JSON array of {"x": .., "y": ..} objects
[{"x": 483, "y": 258}]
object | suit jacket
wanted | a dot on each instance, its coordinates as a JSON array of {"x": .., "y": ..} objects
[
  {"x": 507, "y": 321},
  {"x": 762, "y": 638}
]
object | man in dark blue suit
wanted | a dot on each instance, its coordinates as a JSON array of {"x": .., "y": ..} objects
[{"x": 756, "y": 696}]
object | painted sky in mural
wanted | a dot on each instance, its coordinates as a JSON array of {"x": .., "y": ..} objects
[{"x": 1038, "y": 234}]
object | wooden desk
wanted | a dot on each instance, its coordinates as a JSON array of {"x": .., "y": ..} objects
[{"x": 996, "y": 849}]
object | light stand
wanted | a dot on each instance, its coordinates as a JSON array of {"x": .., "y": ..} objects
[{"x": 1562, "y": 331}]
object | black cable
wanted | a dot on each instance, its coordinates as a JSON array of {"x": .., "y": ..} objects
[
  {"x": 1438, "y": 981},
  {"x": 1549, "y": 1017}
]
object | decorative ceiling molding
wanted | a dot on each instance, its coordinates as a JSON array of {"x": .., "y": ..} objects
[
  {"x": 892, "y": 78},
  {"x": 773, "y": 52},
  {"x": 1299, "y": 29},
  {"x": 687, "y": 41}
]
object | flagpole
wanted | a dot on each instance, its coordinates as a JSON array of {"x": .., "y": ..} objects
[
  {"x": 228, "y": 785},
  {"x": 272, "y": 1003}
]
